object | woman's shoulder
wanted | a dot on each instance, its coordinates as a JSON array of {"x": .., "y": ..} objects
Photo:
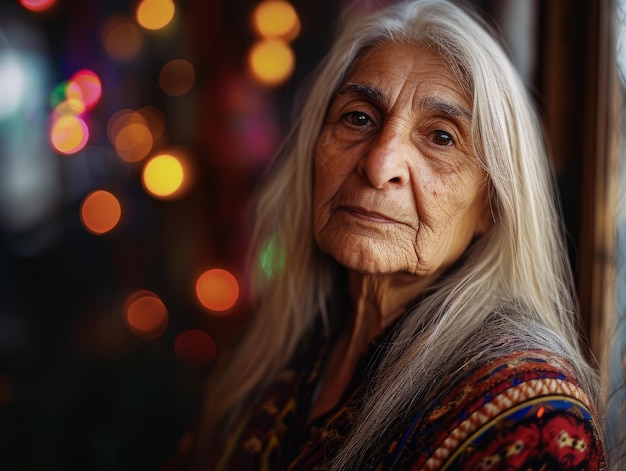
[{"x": 521, "y": 410}]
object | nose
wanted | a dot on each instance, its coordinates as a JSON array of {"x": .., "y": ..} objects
[{"x": 386, "y": 162}]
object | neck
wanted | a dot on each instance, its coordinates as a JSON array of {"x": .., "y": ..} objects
[{"x": 377, "y": 301}]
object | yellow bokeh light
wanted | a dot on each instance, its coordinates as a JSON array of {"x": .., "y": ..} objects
[
  {"x": 155, "y": 14},
  {"x": 100, "y": 212},
  {"x": 121, "y": 39},
  {"x": 146, "y": 314},
  {"x": 69, "y": 134},
  {"x": 177, "y": 77},
  {"x": 69, "y": 106},
  {"x": 163, "y": 176},
  {"x": 276, "y": 19},
  {"x": 217, "y": 289},
  {"x": 271, "y": 61}
]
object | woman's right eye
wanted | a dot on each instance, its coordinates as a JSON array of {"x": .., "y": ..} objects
[{"x": 357, "y": 118}]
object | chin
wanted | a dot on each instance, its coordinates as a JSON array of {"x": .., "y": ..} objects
[{"x": 367, "y": 261}]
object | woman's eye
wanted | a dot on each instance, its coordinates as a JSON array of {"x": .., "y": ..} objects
[
  {"x": 357, "y": 118},
  {"x": 442, "y": 138}
]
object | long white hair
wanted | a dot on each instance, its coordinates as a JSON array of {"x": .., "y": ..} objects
[{"x": 512, "y": 290}]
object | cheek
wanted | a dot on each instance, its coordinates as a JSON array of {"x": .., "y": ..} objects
[{"x": 331, "y": 169}]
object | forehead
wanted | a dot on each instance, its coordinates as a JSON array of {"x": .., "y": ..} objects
[{"x": 410, "y": 71}]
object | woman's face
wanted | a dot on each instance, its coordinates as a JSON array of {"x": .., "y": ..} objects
[{"x": 397, "y": 185}]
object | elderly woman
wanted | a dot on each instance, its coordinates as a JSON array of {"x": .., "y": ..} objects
[{"x": 419, "y": 314}]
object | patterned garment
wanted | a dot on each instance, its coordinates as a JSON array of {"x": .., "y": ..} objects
[{"x": 522, "y": 412}]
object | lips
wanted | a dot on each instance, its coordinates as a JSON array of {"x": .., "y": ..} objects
[{"x": 367, "y": 215}]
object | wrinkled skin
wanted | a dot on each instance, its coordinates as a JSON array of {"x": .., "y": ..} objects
[
  {"x": 397, "y": 187},
  {"x": 398, "y": 194}
]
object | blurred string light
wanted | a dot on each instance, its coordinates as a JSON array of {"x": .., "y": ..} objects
[
  {"x": 134, "y": 132},
  {"x": 30, "y": 184},
  {"x": 69, "y": 132},
  {"x": 100, "y": 212},
  {"x": 177, "y": 77},
  {"x": 85, "y": 86},
  {"x": 121, "y": 39},
  {"x": 276, "y": 19},
  {"x": 130, "y": 134},
  {"x": 164, "y": 176},
  {"x": 145, "y": 314},
  {"x": 271, "y": 60},
  {"x": 195, "y": 349},
  {"x": 217, "y": 289},
  {"x": 14, "y": 80},
  {"x": 37, "y": 5},
  {"x": 272, "y": 258},
  {"x": 155, "y": 14}
]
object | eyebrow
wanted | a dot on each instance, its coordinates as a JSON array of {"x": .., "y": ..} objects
[
  {"x": 452, "y": 109},
  {"x": 429, "y": 103},
  {"x": 361, "y": 89}
]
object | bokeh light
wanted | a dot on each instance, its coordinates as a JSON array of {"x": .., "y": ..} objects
[
  {"x": 145, "y": 314},
  {"x": 272, "y": 258},
  {"x": 271, "y": 61},
  {"x": 37, "y": 5},
  {"x": 85, "y": 86},
  {"x": 13, "y": 83},
  {"x": 69, "y": 134},
  {"x": 163, "y": 176},
  {"x": 133, "y": 142},
  {"x": 217, "y": 289},
  {"x": 155, "y": 14},
  {"x": 121, "y": 39},
  {"x": 276, "y": 19},
  {"x": 176, "y": 77},
  {"x": 195, "y": 349},
  {"x": 133, "y": 133},
  {"x": 58, "y": 94},
  {"x": 100, "y": 212}
]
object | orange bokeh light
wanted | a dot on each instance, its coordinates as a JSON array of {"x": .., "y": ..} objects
[
  {"x": 133, "y": 133},
  {"x": 155, "y": 14},
  {"x": 271, "y": 61},
  {"x": 146, "y": 314},
  {"x": 195, "y": 349},
  {"x": 176, "y": 77},
  {"x": 69, "y": 134},
  {"x": 100, "y": 212},
  {"x": 121, "y": 39},
  {"x": 37, "y": 5},
  {"x": 217, "y": 289},
  {"x": 133, "y": 142}
]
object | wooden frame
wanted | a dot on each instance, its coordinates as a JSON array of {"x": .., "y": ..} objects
[{"x": 579, "y": 92}]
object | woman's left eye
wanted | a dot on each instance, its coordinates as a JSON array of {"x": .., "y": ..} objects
[
  {"x": 357, "y": 118},
  {"x": 442, "y": 138}
]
